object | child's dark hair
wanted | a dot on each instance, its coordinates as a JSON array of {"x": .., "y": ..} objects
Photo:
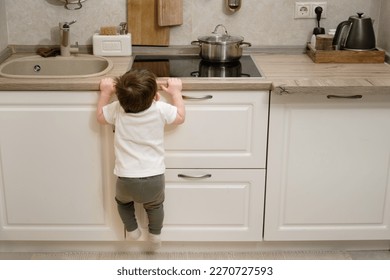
[{"x": 136, "y": 90}]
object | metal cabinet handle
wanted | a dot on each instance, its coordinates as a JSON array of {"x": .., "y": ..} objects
[
  {"x": 206, "y": 97},
  {"x": 356, "y": 96},
  {"x": 194, "y": 177},
  {"x": 77, "y": 4}
]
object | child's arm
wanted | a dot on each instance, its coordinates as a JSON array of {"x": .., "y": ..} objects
[
  {"x": 107, "y": 89},
  {"x": 174, "y": 90}
]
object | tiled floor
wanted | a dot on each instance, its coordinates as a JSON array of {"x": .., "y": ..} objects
[
  {"x": 370, "y": 255},
  {"x": 355, "y": 255}
]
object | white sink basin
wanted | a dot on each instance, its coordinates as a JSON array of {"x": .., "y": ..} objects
[{"x": 77, "y": 66}]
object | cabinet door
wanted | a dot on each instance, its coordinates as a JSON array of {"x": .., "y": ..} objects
[
  {"x": 55, "y": 168},
  {"x": 214, "y": 205},
  {"x": 328, "y": 168},
  {"x": 222, "y": 130}
]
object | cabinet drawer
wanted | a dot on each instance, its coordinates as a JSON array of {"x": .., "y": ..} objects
[
  {"x": 222, "y": 130},
  {"x": 214, "y": 205}
]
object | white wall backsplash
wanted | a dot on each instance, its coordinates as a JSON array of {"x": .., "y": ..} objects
[
  {"x": 3, "y": 27},
  {"x": 264, "y": 22},
  {"x": 384, "y": 31},
  {"x": 260, "y": 22},
  {"x": 37, "y": 20}
]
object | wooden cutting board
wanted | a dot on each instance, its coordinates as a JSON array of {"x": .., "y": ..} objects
[
  {"x": 142, "y": 21},
  {"x": 170, "y": 12}
]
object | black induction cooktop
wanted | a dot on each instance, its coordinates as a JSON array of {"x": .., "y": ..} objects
[{"x": 194, "y": 66}]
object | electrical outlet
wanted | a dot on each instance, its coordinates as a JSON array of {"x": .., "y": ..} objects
[
  {"x": 306, "y": 9},
  {"x": 314, "y": 5},
  {"x": 302, "y": 10}
]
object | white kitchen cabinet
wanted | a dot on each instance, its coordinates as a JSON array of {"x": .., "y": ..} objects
[
  {"x": 214, "y": 205},
  {"x": 56, "y": 164},
  {"x": 56, "y": 179},
  {"x": 216, "y": 168},
  {"x": 328, "y": 168},
  {"x": 223, "y": 129}
]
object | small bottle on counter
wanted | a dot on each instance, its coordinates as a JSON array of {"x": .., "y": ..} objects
[{"x": 313, "y": 41}]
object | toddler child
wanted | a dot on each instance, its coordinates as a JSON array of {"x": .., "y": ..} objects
[{"x": 139, "y": 119}]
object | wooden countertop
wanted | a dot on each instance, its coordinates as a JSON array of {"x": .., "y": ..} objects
[
  {"x": 292, "y": 73},
  {"x": 284, "y": 73}
]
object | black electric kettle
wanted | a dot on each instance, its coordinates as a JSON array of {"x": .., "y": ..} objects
[{"x": 356, "y": 33}]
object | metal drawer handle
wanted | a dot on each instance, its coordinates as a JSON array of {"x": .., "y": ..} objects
[
  {"x": 194, "y": 177},
  {"x": 206, "y": 97},
  {"x": 357, "y": 96},
  {"x": 68, "y": 4}
]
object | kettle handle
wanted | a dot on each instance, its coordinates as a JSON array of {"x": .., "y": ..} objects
[{"x": 341, "y": 35}]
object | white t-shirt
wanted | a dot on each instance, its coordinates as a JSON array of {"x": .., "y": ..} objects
[{"x": 139, "y": 138}]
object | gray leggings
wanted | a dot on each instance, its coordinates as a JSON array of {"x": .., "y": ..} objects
[{"x": 150, "y": 192}]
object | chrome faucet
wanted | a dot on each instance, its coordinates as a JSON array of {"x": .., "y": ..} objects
[{"x": 66, "y": 48}]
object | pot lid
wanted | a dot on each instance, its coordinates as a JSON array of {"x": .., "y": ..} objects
[{"x": 220, "y": 38}]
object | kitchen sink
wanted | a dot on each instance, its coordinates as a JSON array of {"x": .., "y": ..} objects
[{"x": 77, "y": 66}]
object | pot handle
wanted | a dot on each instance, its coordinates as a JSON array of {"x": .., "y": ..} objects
[
  {"x": 195, "y": 43},
  {"x": 245, "y": 43}
]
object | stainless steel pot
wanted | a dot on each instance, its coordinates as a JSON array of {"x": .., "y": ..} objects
[{"x": 220, "y": 47}]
